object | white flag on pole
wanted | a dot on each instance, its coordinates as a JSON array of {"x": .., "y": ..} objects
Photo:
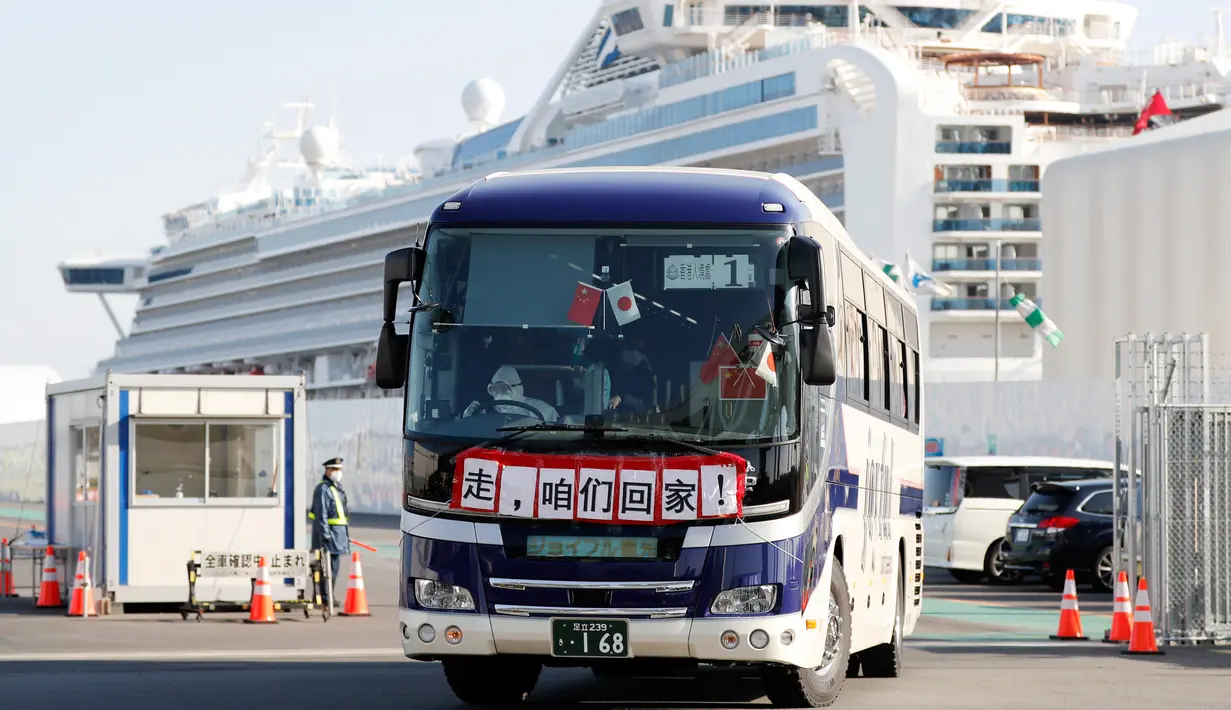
[{"x": 919, "y": 280}]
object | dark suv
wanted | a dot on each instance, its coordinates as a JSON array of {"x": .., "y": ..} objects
[{"x": 1062, "y": 526}]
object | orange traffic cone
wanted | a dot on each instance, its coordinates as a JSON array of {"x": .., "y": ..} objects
[
  {"x": 6, "y": 570},
  {"x": 1142, "y": 641},
  {"x": 1121, "y": 613},
  {"x": 262, "y": 607},
  {"x": 49, "y": 592},
  {"x": 356, "y": 595},
  {"x": 81, "y": 600},
  {"x": 1070, "y": 618}
]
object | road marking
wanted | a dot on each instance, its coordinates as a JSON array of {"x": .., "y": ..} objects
[
  {"x": 1004, "y": 605},
  {"x": 985, "y": 643},
  {"x": 234, "y": 655}
]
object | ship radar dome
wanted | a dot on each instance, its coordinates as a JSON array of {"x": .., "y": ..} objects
[
  {"x": 319, "y": 145},
  {"x": 483, "y": 101}
]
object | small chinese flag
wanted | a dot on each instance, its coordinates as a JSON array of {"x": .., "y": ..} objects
[
  {"x": 586, "y": 300},
  {"x": 741, "y": 383},
  {"x": 721, "y": 355}
]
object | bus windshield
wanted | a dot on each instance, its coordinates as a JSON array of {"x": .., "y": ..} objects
[{"x": 653, "y": 329}]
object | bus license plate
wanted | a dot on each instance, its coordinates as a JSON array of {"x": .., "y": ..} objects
[{"x": 590, "y": 638}]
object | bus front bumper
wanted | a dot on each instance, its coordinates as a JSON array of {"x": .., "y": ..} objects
[{"x": 698, "y": 639}]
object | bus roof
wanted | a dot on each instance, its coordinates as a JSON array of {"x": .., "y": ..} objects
[
  {"x": 1032, "y": 461},
  {"x": 624, "y": 195}
]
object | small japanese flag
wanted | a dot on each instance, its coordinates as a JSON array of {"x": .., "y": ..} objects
[
  {"x": 623, "y": 303},
  {"x": 766, "y": 367}
]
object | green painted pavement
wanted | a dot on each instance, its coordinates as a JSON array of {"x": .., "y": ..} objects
[
  {"x": 1012, "y": 622},
  {"x": 32, "y": 512}
]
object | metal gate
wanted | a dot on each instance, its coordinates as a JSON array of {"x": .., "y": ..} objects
[{"x": 1173, "y": 519}]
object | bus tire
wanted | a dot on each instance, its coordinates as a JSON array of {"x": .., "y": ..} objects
[
  {"x": 491, "y": 680},
  {"x": 885, "y": 660},
  {"x": 792, "y": 687}
]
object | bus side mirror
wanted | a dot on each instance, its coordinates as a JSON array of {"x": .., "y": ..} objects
[
  {"x": 816, "y": 351},
  {"x": 391, "y": 352},
  {"x": 401, "y": 266}
]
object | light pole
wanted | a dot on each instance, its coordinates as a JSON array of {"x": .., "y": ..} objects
[{"x": 996, "y": 302}]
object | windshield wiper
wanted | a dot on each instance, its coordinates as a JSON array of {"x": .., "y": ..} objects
[
  {"x": 516, "y": 431},
  {"x": 639, "y": 436},
  {"x": 548, "y": 426}
]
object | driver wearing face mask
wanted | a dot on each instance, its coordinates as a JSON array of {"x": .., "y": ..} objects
[{"x": 506, "y": 386}]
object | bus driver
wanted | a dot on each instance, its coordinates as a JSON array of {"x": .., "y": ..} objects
[{"x": 506, "y": 386}]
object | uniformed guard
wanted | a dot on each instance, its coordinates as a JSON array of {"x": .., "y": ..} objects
[{"x": 330, "y": 527}]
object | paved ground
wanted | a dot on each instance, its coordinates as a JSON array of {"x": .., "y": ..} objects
[{"x": 976, "y": 647}]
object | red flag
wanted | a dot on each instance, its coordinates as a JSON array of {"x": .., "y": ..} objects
[
  {"x": 722, "y": 354},
  {"x": 585, "y": 304},
  {"x": 1155, "y": 115},
  {"x": 741, "y": 383}
]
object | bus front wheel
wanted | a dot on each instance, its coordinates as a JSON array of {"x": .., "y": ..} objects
[
  {"x": 491, "y": 680},
  {"x": 818, "y": 687}
]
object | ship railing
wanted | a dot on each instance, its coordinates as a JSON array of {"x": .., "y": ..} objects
[{"x": 1079, "y": 133}]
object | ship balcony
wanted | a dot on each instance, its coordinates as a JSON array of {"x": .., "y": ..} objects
[
  {"x": 987, "y": 225},
  {"x": 984, "y": 266},
  {"x": 975, "y": 147},
  {"x": 957, "y": 188},
  {"x": 975, "y": 307}
]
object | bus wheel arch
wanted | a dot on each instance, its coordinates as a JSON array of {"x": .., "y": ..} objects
[
  {"x": 793, "y": 687},
  {"x": 885, "y": 660}
]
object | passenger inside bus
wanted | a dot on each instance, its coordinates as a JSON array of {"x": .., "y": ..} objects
[{"x": 508, "y": 397}]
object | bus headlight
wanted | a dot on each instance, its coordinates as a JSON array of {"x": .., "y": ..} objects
[
  {"x": 746, "y": 600},
  {"x": 433, "y": 594}
]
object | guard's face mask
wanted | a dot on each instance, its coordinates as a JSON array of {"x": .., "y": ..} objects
[{"x": 336, "y": 474}]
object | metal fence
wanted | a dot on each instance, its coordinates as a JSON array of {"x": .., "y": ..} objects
[{"x": 1173, "y": 519}]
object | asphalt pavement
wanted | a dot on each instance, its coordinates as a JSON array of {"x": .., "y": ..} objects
[{"x": 975, "y": 647}]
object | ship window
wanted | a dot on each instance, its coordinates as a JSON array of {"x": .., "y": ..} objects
[
  {"x": 627, "y": 21},
  {"x": 668, "y": 15},
  {"x": 1030, "y": 24},
  {"x": 95, "y": 277},
  {"x": 940, "y": 18}
]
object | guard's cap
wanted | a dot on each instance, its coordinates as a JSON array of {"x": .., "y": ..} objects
[{"x": 334, "y": 463}]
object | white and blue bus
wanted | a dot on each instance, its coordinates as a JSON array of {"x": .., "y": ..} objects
[{"x": 655, "y": 418}]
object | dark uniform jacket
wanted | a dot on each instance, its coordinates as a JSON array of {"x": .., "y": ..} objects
[{"x": 329, "y": 519}]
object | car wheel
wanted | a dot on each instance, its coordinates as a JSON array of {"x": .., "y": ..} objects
[
  {"x": 993, "y": 565},
  {"x": 1102, "y": 572}
]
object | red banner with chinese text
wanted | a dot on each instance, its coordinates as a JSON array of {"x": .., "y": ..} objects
[{"x": 633, "y": 490}]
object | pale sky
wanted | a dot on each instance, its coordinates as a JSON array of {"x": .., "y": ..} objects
[{"x": 115, "y": 113}]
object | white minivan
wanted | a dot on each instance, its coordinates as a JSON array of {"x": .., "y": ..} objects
[{"x": 968, "y": 501}]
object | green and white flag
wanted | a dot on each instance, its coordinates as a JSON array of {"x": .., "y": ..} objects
[
  {"x": 1037, "y": 319},
  {"x": 891, "y": 270}
]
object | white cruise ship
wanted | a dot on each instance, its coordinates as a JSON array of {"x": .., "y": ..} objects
[{"x": 925, "y": 126}]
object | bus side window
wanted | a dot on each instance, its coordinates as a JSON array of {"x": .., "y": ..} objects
[
  {"x": 879, "y": 375},
  {"x": 902, "y": 386},
  {"x": 855, "y": 332},
  {"x": 917, "y": 389}
]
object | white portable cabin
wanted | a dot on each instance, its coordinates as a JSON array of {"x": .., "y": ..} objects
[{"x": 144, "y": 470}]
